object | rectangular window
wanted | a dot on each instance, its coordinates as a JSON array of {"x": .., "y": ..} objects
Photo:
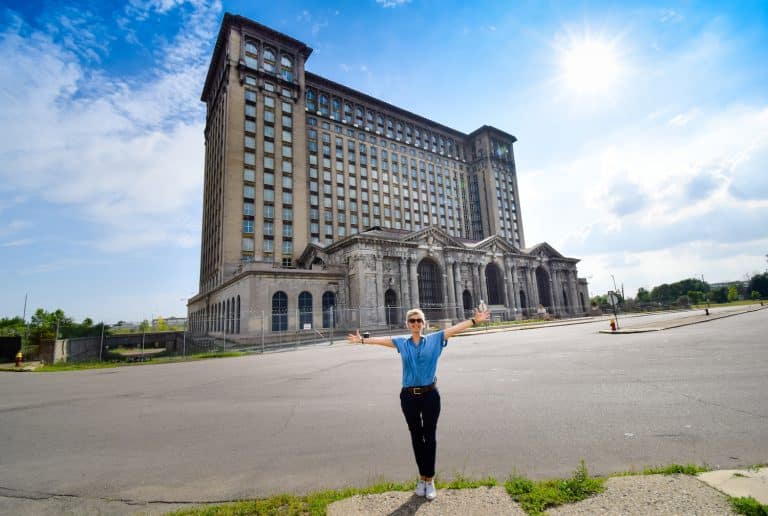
[
  {"x": 249, "y": 192},
  {"x": 269, "y": 229},
  {"x": 269, "y": 195},
  {"x": 247, "y": 244},
  {"x": 287, "y": 214},
  {"x": 269, "y": 178},
  {"x": 247, "y": 226},
  {"x": 269, "y": 246},
  {"x": 247, "y": 208},
  {"x": 269, "y": 212},
  {"x": 249, "y": 175}
]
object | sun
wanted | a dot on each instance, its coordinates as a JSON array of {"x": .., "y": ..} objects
[{"x": 590, "y": 66}]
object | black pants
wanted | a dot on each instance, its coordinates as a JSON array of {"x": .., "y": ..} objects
[{"x": 421, "y": 413}]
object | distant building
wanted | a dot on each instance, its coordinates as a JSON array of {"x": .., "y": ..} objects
[{"x": 326, "y": 206}]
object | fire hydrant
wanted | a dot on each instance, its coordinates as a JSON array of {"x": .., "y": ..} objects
[
  {"x": 19, "y": 356},
  {"x": 613, "y": 325}
]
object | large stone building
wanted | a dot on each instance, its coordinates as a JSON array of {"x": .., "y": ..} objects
[{"x": 324, "y": 206}]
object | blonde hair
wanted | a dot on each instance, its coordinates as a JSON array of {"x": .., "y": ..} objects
[{"x": 415, "y": 311}]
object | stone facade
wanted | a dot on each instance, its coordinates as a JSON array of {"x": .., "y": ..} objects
[{"x": 325, "y": 206}]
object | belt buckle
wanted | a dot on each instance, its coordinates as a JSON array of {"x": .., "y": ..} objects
[{"x": 416, "y": 391}]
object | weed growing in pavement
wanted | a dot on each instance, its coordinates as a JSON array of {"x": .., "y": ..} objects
[
  {"x": 536, "y": 496},
  {"x": 748, "y": 506},
  {"x": 671, "y": 469}
]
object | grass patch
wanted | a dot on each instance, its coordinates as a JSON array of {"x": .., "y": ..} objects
[
  {"x": 121, "y": 362},
  {"x": 671, "y": 469},
  {"x": 316, "y": 503},
  {"x": 748, "y": 506},
  {"x": 535, "y": 497}
]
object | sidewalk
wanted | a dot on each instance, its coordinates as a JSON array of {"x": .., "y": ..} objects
[
  {"x": 695, "y": 317},
  {"x": 640, "y": 495}
]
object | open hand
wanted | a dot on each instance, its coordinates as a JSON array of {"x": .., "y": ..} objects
[
  {"x": 481, "y": 316},
  {"x": 355, "y": 338}
]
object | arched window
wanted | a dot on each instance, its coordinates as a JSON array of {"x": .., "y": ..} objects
[
  {"x": 305, "y": 309},
  {"x": 430, "y": 289},
  {"x": 279, "y": 311},
  {"x": 466, "y": 299},
  {"x": 311, "y": 100},
  {"x": 227, "y": 317},
  {"x": 286, "y": 68},
  {"x": 543, "y": 284},
  {"x": 329, "y": 310},
  {"x": 390, "y": 302},
  {"x": 269, "y": 59},
  {"x": 237, "y": 328},
  {"x": 495, "y": 284}
]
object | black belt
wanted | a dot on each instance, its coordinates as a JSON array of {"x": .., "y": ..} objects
[{"x": 423, "y": 389}]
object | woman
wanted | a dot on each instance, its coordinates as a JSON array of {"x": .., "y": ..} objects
[{"x": 419, "y": 397}]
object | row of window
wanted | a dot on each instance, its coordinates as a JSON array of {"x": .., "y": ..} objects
[
  {"x": 335, "y": 108},
  {"x": 261, "y": 56},
  {"x": 223, "y": 316}
]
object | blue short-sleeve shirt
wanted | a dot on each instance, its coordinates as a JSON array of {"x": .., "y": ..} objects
[{"x": 420, "y": 362}]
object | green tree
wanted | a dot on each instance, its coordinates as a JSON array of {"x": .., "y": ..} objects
[
  {"x": 719, "y": 295},
  {"x": 161, "y": 324},
  {"x": 733, "y": 294},
  {"x": 759, "y": 282},
  {"x": 756, "y": 295},
  {"x": 695, "y": 296},
  {"x": 11, "y": 326},
  {"x": 643, "y": 296},
  {"x": 144, "y": 326}
]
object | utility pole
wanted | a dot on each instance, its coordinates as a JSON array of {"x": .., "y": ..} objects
[{"x": 26, "y": 328}]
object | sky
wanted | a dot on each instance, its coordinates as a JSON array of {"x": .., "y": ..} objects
[{"x": 642, "y": 131}]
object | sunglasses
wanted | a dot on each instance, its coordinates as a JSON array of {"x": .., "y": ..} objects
[{"x": 414, "y": 321}]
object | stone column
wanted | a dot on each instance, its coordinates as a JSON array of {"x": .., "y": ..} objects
[
  {"x": 379, "y": 293},
  {"x": 459, "y": 299},
  {"x": 483, "y": 283},
  {"x": 362, "y": 307},
  {"x": 450, "y": 311},
  {"x": 574, "y": 292},
  {"x": 509, "y": 290},
  {"x": 414, "y": 283},
  {"x": 405, "y": 301},
  {"x": 533, "y": 287}
]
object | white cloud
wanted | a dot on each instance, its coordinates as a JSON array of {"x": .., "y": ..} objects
[
  {"x": 124, "y": 154},
  {"x": 647, "y": 203},
  {"x": 392, "y": 3},
  {"x": 683, "y": 118}
]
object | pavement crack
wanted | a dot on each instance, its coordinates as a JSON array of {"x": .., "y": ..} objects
[{"x": 40, "y": 495}]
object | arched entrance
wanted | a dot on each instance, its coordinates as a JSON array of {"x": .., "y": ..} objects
[
  {"x": 523, "y": 302},
  {"x": 581, "y": 300},
  {"x": 430, "y": 289},
  {"x": 542, "y": 283},
  {"x": 466, "y": 298},
  {"x": 390, "y": 302},
  {"x": 305, "y": 310},
  {"x": 329, "y": 310},
  {"x": 566, "y": 304},
  {"x": 495, "y": 284}
]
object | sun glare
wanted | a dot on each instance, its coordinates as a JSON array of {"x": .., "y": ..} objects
[{"x": 590, "y": 66}]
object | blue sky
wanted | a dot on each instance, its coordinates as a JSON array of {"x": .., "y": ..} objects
[{"x": 642, "y": 128}]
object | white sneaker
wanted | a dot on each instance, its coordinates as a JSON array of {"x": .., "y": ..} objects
[
  {"x": 421, "y": 487},
  {"x": 430, "y": 491}
]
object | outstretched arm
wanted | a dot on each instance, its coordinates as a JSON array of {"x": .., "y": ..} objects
[
  {"x": 463, "y": 325},
  {"x": 356, "y": 338}
]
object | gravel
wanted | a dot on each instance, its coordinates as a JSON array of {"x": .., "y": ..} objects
[
  {"x": 641, "y": 495},
  {"x": 483, "y": 501},
  {"x": 651, "y": 494}
]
